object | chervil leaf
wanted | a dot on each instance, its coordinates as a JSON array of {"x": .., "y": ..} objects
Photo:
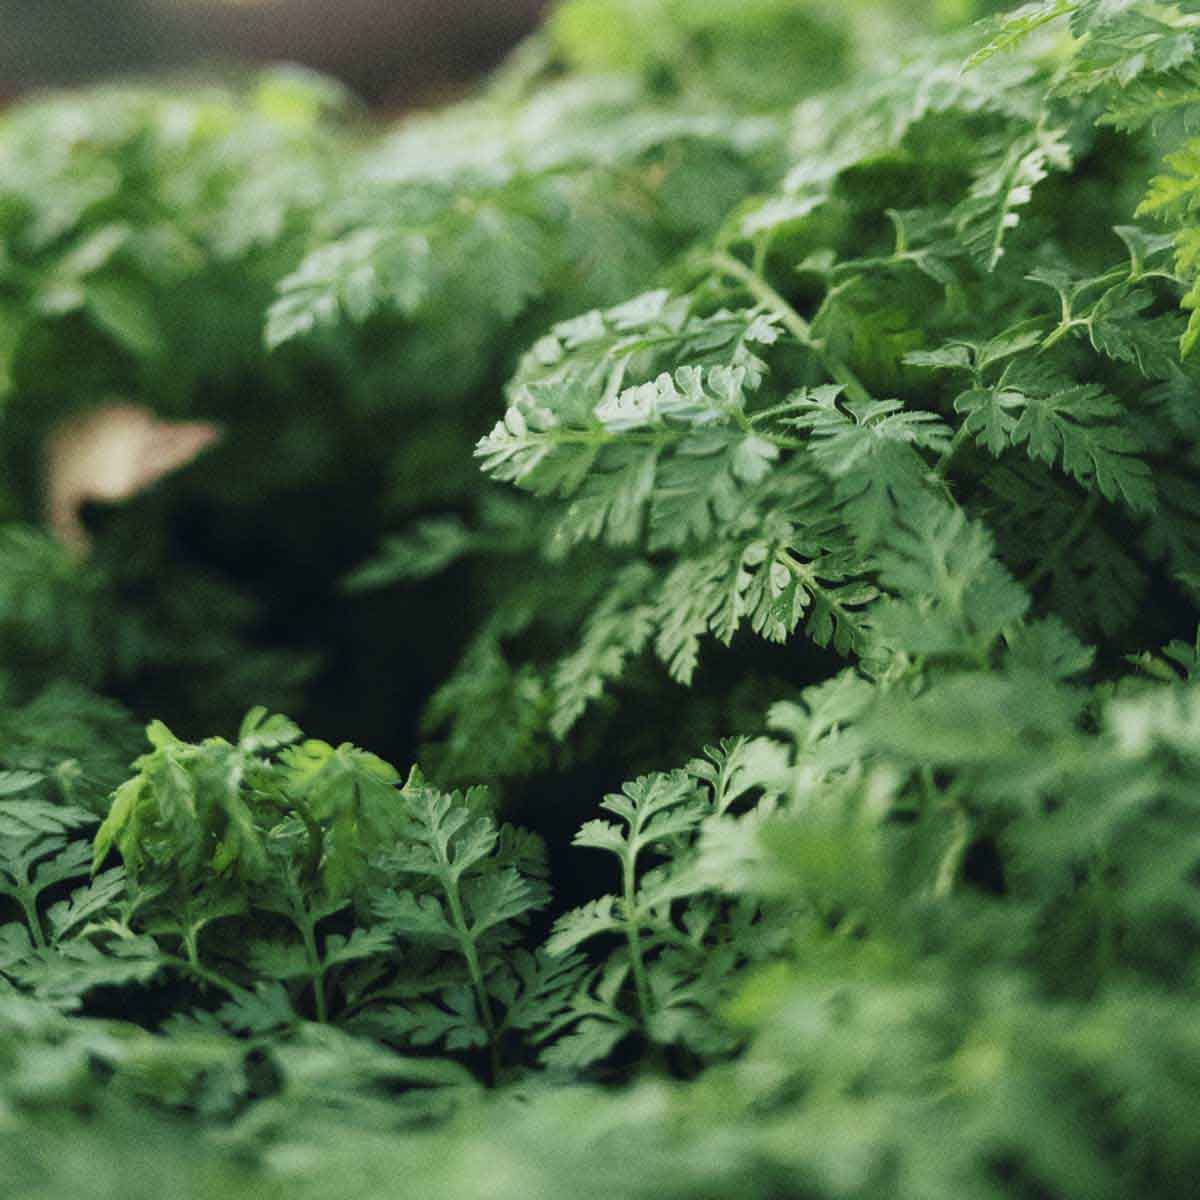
[
  {"x": 1076, "y": 428},
  {"x": 1003, "y": 187},
  {"x": 868, "y": 450},
  {"x": 581, "y": 924},
  {"x": 415, "y": 917}
]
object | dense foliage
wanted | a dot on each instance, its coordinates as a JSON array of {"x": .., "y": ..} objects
[{"x": 837, "y": 538}]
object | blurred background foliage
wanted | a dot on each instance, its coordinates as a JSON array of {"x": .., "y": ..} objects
[
  {"x": 400, "y": 52},
  {"x": 388, "y": 52}
]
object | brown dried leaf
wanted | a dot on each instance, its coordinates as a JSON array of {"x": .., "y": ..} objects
[{"x": 110, "y": 454}]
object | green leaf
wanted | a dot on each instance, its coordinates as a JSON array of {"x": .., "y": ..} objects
[
  {"x": 1014, "y": 27},
  {"x": 1003, "y": 187},
  {"x": 991, "y": 415},
  {"x": 361, "y": 944},
  {"x": 869, "y": 449},
  {"x": 127, "y": 315},
  {"x": 416, "y": 917},
  {"x": 356, "y": 276},
  {"x": 262, "y": 731},
  {"x": 457, "y": 1025},
  {"x": 500, "y": 896},
  {"x": 581, "y": 924},
  {"x": 1077, "y": 429},
  {"x": 616, "y": 631}
]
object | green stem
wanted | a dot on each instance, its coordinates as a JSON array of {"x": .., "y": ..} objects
[
  {"x": 808, "y": 577},
  {"x": 947, "y": 456},
  {"x": 951, "y": 863},
  {"x": 471, "y": 954},
  {"x": 205, "y": 974},
  {"x": 761, "y": 250},
  {"x": 602, "y": 437},
  {"x": 762, "y": 291},
  {"x": 674, "y": 937},
  {"x": 633, "y": 936},
  {"x": 1056, "y": 335},
  {"x": 190, "y": 933},
  {"x": 315, "y": 970},
  {"x": 316, "y": 839},
  {"x": 765, "y": 414},
  {"x": 34, "y": 921},
  {"x": 476, "y": 971}
]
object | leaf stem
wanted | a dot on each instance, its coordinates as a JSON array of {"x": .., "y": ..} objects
[
  {"x": 807, "y": 575},
  {"x": 206, "y": 974},
  {"x": 35, "y": 922},
  {"x": 448, "y": 877},
  {"x": 659, "y": 437},
  {"x": 1057, "y": 334},
  {"x": 951, "y": 862},
  {"x": 315, "y": 969},
  {"x": 762, "y": 291},
  {"x": 633, "y": 937},
  {"x": 947, "y": 456},
  {"x": 471, "y": 954},
  {"x": 316, "y": 838}
]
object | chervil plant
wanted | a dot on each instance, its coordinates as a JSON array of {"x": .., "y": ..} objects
[{"x": 778, "y": 453}]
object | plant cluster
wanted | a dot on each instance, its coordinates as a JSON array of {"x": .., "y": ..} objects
[{"x": 838, "y": 525}]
